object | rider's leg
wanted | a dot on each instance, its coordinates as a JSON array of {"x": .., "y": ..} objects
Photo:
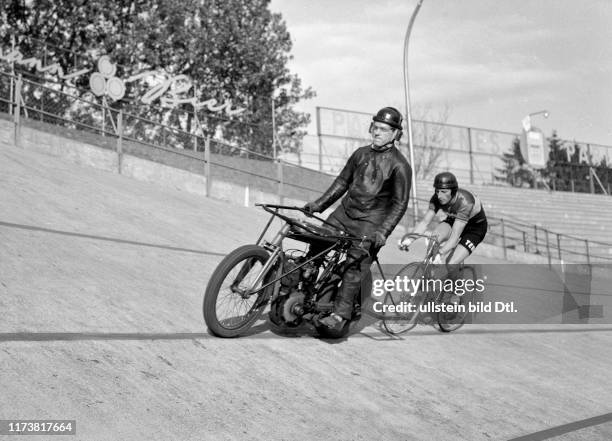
[
  {"x": 357, "y": 268},
  {"x": 458, "y": 255},
  {"x": 454, "y": 261},
  {"x": 316, "y": 248}
]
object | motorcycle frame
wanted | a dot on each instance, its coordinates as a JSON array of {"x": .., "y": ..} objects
[{"x": 275, "y": 247}]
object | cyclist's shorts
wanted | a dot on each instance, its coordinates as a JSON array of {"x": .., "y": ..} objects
[{"x": 473, "y": 233}]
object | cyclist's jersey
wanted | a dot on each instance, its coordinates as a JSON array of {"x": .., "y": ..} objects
[{"x": 465, "y": 206}]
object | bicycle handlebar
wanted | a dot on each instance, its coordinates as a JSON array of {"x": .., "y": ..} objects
[{"x": 428, "y": 236}]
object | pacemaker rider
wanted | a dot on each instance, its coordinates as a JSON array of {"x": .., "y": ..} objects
[{"x": 376, "y": 183}]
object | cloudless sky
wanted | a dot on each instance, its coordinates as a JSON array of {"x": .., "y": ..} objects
[{"x": 490, "y": 62}]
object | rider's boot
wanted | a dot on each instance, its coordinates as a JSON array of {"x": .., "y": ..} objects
[{"x": 333, "y": 322}]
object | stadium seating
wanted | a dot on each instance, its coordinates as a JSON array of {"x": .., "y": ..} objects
[{"x": 574, "y": 216}]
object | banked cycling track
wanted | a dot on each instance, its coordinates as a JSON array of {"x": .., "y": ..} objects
[{"x": 101, "y": 284}]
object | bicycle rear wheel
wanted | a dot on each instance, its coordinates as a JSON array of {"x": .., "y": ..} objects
[{"x": 401, "y": 306}]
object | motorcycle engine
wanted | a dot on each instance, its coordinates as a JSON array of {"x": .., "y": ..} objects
[{"x": 288, "y": 308}]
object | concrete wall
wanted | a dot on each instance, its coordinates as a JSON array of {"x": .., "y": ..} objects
[{"x": 186, "y": 172}]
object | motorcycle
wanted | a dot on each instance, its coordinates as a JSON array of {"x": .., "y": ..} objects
[{"x": 298, "y": 285}]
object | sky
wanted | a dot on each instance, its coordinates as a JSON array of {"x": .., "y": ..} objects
[{"x": 489, "y": 63}]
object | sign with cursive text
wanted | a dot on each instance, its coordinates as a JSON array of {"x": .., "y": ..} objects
[{"x": 171, "y": 91}]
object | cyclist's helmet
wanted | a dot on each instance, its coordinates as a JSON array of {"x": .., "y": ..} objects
[
  {"x": 446, "y": 180},
  {"x": 389, "y": 115}
]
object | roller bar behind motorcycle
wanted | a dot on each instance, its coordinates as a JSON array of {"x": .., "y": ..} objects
[{"x": 298, "y": 287}]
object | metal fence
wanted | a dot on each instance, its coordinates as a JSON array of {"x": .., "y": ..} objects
[
  {"x": 56, "y": 106},
  {"x": 553, "y": 246},
  {"x": 473, "y": 154}
]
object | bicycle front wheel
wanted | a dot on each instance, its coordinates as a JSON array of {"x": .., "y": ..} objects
[
  {"x": 401, "y": 306},
  {"x": 229, "y": 308}
]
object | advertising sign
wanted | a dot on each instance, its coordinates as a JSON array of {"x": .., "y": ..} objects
[{"x": 533, "y": 148}]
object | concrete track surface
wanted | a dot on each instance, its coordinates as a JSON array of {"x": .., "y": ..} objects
[{"x": 101, "y": 284}]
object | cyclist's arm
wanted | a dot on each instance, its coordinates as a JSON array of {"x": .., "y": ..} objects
[
  {"x": 420, "y": 228},
  {"x": 454, "y": 238},
  {"x": 422, "y": 225}
]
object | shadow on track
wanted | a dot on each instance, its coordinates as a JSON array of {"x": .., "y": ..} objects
[
  {"x": 262, "y": 330},
  {"x": 566, "y": 428},
  {"x": 109, "y": 239}
]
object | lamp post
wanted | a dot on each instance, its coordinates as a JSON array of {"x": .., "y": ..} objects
[
  {"x": 273, "y": 130},
  {"x": 415, "y": 206},
  {"x": 527, "y": 119}
]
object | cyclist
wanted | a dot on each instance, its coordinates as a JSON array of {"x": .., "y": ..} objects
[
  {"x": 464, "y": 227},
  {"x": 376, "y": 183}
]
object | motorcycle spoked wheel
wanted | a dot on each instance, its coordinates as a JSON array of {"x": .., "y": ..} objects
[{"x": 226, "y": 312}]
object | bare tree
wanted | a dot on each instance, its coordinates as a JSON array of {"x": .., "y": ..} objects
[{"x": 428, "y": 137}]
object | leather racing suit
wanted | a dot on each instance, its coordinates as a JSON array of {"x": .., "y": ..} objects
[{"x": 376, "y": 186}]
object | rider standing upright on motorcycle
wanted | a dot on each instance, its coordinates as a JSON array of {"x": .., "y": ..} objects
[{"x": 376, "y": 183}]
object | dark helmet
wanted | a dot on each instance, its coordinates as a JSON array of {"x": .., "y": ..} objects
[
  {"x": 445, "y": 180},
  {"x": 389, "y": 115}
]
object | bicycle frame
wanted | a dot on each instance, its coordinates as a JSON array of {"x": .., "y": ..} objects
[{"x": 393, "y": 326}]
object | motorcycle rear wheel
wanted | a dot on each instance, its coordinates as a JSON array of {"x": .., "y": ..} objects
[{"x": 228, "y": 310}]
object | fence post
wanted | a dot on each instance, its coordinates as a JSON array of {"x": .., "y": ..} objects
[
  {"x": 503, "y": 232},
  {"x": 535, "y": 237},
  {"x": 588, "y": 256},
  {"x": 547, "y": 247},
  {"x": 471, "y": 153},
  {"x": 525, "y": 247},
  {"x": 12, "y": 90},
  {"x": 559, "y": 245},
  {"x": 104, "y": 116},
  {"x": 119, "y": 140},
  {"x": 207, "y": 165},
  {"x": 591, "y": 179},
  {"x": 17, "y": 114},
  {"x": 280, "y": 181},
  {"x": 318, "y": 110}
]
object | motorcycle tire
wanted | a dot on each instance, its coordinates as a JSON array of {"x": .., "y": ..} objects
[{"x": 246, "y": 310}]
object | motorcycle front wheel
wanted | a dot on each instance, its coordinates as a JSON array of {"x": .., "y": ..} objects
[{"x": 229, "y": 307}]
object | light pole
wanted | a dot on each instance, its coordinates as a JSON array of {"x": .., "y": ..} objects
[
  {"x": 415, "y": 206},
  {"x": 273, "y": 130},
  {"x": 527, "y": 120}
]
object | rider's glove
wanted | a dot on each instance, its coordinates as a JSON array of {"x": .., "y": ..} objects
[
  {"x": 377, "y": 239},
  {"x": 405, "y": 242},
  {"x": 311, "y": 208}
]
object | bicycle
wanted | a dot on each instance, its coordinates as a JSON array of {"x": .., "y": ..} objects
[
  {"x": 449, "y": 309},
  {"x": 297, "y": 286}
]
